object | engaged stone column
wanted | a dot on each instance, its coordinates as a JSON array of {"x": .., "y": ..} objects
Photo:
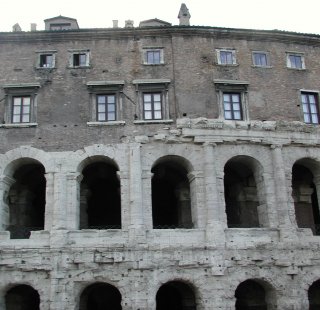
[
  {"x": 56, "y": 205},
  {"x": 147, "y": 198},
  {"x": 281, "y": 191},
  {"x": 72, "y": 217},
  {"x": 136, "y": 229},
  {"x": 216, "y": 218},
  {"x": 5, "y": 184},
  {"x": 48, "y": 217}
]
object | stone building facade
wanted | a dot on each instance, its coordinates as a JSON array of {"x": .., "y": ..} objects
[{"x": 159, "y": 167}]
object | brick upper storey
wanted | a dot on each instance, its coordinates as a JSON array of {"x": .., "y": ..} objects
[{"x": 193, "y": 69}]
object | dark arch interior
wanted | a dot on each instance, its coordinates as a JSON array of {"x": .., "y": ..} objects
[
  {"x": 100, "y": 197},
  {"x": 314, "y": 296},
  {"x": 22, "y": 297},
  {"x": 241, "y": 197},
  {"x": 100, "y": 296},
  {"x": 250, "y": 295},
  {"x": 175, "y": 295},
  {"x": 305, "y": 198},
  {"x": 171, "y": 205},
  {"x": 27, "y": 201}
]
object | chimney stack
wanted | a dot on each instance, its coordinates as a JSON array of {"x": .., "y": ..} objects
[
  {"x": 33, "y": 26},
  {"x": 16, "y": 28},
  {"x": 129, "y": 23},
  {"x": 184, "y": 16}
]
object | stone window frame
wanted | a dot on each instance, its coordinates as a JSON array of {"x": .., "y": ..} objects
[
  {"x": 73, "y": 53},
  {"x": 152, "y": 86},
  {"x": 232, "y": 86},
  {"x": 96, "y": 88},
  {"x": 146, "y": 50},
  {"x": 232, "y": 51},
  {"x": 291, "y": 65},
  {"x": 317, "y": 98},
  {"x": 40, "y": 54},
  {"x": 267, "y": 55},
  {"x": 20, "y": 90}
]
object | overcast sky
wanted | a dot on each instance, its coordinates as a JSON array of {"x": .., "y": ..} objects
[{"x": 289, "y": 15}]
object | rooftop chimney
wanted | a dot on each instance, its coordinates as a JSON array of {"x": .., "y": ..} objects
[
  {"x": 129, "y": 23},
  {"x": 184, "y": 16},
  {"x": 33, "y": 27},
  {"x": 16, "y": 28},
  {"x": 115, "y": 23}
]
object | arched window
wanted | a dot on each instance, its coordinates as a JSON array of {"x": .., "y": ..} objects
[
  {"x": 314, "y": 296},
  {"x": 175, "y": 295},
  {"x": 244, "y": 193},
  {"x": 22, "y": 297},
  {"x": 171, "y": 201},
  {"x": 100, "y": 203},
  {"x": 26, "y": 199},
  {"x": 304, "y": 193},
  {"x": 100, "y": 296},
  {"x": 250, "y": 295}
]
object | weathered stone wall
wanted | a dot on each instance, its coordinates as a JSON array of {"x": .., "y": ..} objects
[{"x": 61, "y": 261}]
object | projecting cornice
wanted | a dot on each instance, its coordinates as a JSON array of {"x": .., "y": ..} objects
[{"x": 170, "y": 31}]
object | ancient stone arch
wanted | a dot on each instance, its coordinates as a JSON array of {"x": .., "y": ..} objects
[
  {"x": 171, "y": 193},
  {"x": 100, "y": 295},
  {"x": 176, "y": 294},
  {"x": 244, "y": 192},
  {"x": 100, "y": 198},
  {"x": 305, "y": 193}
]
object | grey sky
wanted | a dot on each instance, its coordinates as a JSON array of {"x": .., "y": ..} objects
[{"x": 272, "y": 14}]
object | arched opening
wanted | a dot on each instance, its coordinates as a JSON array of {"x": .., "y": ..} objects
[
  {"x": 100, "y": 202},
  {"x": 100, "y": 296},
  {"x": 244, "y": 193},
  {"x": 22, "y": 297},
  {"x": 250, "y": 295},
  {"x": 314, "y": 296},
  {"x": 175, "y": 295},
  {"x": 171, "y": 201},
  {"x": 304, "y": 194},
  {"x": 27, "y": 200}
]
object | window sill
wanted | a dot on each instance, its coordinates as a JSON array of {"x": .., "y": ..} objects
[
  {"x": 111, "y": 123},
  {"x": 160, "y": 64},
  {"x": 262, "y": 67},
  {"x": 19, "y": 125},
  {"x": 79, "y": 67},
  {"x": 154, "y": 121},
  {"x": 45, "y": 68},
  {"x": 297, "y": 69},
  {"x": 228, "y": 65}
]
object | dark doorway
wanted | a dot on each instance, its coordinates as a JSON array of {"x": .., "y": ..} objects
[
  {"x": 175, "y": 295},
  {"x": 171, "y": 203},
  {"x": 305, "y": 197},
  {"x": 27, "y": 201},
  {"x": 250, "y": 295},
  {"x": 241, "y": 197},
  {"x": 22, "y": 297},
  {"x": 100, "y": 296},
  {"x": 314, "y": 295},
  {"x": 100, "y": 197}
]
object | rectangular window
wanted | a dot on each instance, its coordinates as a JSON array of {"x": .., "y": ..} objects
[
  {"x": 226, "y": 57},
  {"x": 310, "y": 108},
  {"x": 21, "y": 109},
  {"x": 79, "y": 60},
  {"x": 152, "y": 106},
  {"x": 260, "y": 59},
  {"x": 153, "y": 57},
  {"x": 106, "y": 108},
  {"x": 46, "y": 61},
  {"x": 295, "y": 61},
  {"x": 232, "y": 106}
]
